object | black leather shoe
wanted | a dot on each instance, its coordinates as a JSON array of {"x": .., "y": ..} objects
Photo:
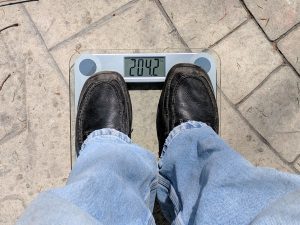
[
  {"x": 104, "y": 102},
  {"x": 187, "y": 95}
]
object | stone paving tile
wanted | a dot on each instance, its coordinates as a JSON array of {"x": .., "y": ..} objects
[
  {"x": 275, "y": 17},
  {"x": 59, "y": 19},
  {"x": 38, "y": 158},
  {"x": 241, "y": 138},
  {"x": 12, "y": 94},
  {"x": 140, "y": 27},
  {"x": 246, "y": 60},
  {"x": 274, "y": 112},
  {"x": 202, "y": 23},
  {"x": 290, "y": 47}
]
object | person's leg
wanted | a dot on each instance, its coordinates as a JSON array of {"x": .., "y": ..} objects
[
  {"x": 113, "y": 180},
  {"x": 202, "y": 180}
]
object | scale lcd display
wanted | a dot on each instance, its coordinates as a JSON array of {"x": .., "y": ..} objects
[{"x": 144, "y": 66}]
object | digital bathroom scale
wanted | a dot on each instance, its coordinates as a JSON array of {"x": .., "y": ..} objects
[{"x": 137, "y": 67}]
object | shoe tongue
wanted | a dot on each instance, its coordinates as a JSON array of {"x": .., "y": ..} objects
[
  {"x": 208, "y": 123},
  {"x": 183, "y": 121},
  {"x": 87, "y": 133},
  {"x": 177, "y": 123}
]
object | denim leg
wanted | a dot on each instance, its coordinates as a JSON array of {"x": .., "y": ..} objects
[
  {"x": 113, "y": 182},
  {"x": 203, "y": 181}
]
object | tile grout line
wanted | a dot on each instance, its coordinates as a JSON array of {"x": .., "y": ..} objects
[
  {"x": 286, "y": 61},
  {"x": 259, "y": 135},
  {"x": 97, "y": 23},
  {"x": 287, "y": 32},
  {"x": 297, "y": 158},
  {"x": 266, "y": 36},
  {"x": 260, "y": 84},
  {"x": 253, "y": 17},
  {"x": 171, "y": 24},
  {"x": 45, "y": 46},
  {"x": 229, "y": 33}
]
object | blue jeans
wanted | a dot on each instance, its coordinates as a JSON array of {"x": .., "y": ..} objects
[{"x": 199, "y": 180}]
